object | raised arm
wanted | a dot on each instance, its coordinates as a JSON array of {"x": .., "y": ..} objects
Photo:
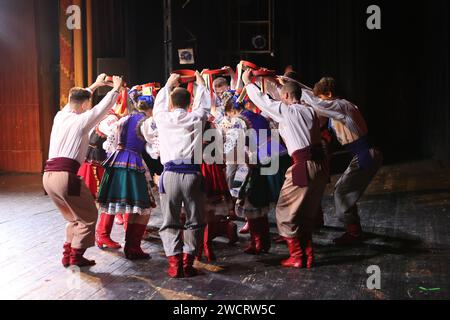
[
  {"x": 92, "y": 88},
  {"x": 273, "y": 109},
  {"x": 202, "y": 100},
  {"x": 93, "y": 116},
  {"x": 162, "y": 99},
  {"x": 232, "y": 75},
  {"x": 272, "y": 88},
  {"x": 325, "y": 108}
]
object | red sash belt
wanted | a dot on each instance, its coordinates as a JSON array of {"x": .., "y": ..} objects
[
  {"x": 300, "y": 169},
  {"x": 121, "y": 104},
  {"x": 66, "y": 165}
]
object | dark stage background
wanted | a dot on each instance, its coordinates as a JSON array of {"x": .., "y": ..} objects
[{"x": 398, "y": 75}]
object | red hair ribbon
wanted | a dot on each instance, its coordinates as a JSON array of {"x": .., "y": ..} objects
[{"x": 121, "y": 103}]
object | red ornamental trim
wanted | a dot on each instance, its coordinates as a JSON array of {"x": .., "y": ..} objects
[
  {"x": 249, "y": 64},
  {"x": 215, "y": 72},
  {"x": 264, "y": 73},
  {"x": 187, "y": 75}
]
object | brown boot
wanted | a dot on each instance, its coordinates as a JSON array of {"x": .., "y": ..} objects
[{"x": 352, "y": 236}]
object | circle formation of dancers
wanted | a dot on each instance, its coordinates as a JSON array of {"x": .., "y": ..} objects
[{"x": 216, "y": 147}]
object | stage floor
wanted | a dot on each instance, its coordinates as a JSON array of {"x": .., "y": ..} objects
[{"x": 405, "y": 214}]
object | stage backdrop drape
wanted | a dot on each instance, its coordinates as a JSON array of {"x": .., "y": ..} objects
[
  {"x": 28, "y": 82},
  {"x": 398, "y": 75}
]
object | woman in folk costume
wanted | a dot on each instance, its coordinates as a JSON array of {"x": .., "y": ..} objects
[
  {"x": 124, "y": 188},
  {"x": 254, "y": 192},
  {"x": 232, "y": 126},
  {"x": 350, "y": 128},
  {"x": 219, "y": 204},
  {"x": 151, "y": 154}
]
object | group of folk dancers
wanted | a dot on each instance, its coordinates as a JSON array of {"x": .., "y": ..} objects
[{"x": 136, "y": 139}]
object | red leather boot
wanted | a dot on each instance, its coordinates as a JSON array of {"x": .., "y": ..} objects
[
  {"x": 188, "y": 266},
  {"x": 251, "y": 248},
  {"x": 77, "y": 259},
  {"x": 103, "y": 232},
  {"x": 352, "y": 236},
  {"x": 259, "y": 236},
  {"x": 208, "y": 236},
  {"x": 125, "y": 221},
  {"x": 309, "y": 252},
  {"x": 119, "y": 219},
  {"x": 256, "y": 241},
  {"x": 245, "y": 229},
  {"x": 175, "y": 269},
  {"x": 307, "y": 243},
  {"x": 133, "y": 237},
  {"x": 66, "y": 255},
  {"x": 295, "y": 252}
]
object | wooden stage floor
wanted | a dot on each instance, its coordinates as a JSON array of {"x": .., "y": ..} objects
[{"x": 405, "y": 214}]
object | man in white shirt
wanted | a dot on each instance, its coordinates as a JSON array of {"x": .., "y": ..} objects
[
  {"x": 351, "y": 131},
  {"x": 68, "y": 145},
  {"x": 180, "y": 138},
  {"x": 305, "y": 182}
]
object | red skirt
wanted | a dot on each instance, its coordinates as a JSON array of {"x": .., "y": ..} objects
[
  {"x": 92, "y": 175},
  {"x": 215, "y": 180}
]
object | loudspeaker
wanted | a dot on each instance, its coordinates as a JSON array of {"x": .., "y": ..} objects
[
  {"x": 252, "y": 26},
  {"x": 112, "y": 67}
]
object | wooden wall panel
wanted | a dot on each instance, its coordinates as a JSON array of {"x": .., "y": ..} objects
[{"x": 20, "y": 147}]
